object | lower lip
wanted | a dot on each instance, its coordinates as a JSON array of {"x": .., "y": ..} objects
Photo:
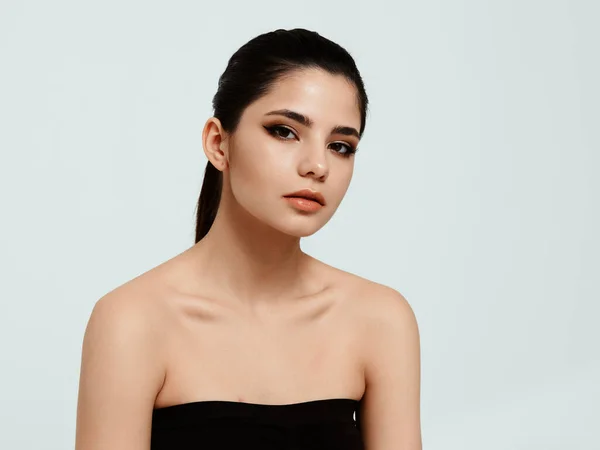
[{"x": 304, "y": 204}]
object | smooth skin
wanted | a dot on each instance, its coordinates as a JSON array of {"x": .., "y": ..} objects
[{"x": 245, "y": 314}]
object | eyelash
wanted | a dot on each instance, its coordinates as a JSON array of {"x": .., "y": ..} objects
[{"x": 272, "y": 130}]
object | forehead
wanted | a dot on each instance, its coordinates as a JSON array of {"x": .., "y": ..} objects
[{"x": 323, "y": 97}]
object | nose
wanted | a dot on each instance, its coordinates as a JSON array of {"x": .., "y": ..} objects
[{"x": 314, "y": 164}]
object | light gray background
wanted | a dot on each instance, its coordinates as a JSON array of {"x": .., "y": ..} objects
[{"x": 475, "y": 192}]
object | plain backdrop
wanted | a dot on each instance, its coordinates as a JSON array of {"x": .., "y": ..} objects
[{"x": 475, "y": 194}]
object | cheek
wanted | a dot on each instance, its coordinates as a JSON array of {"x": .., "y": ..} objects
[
  {"x": 256, "y": 174},
  {"x": 348, "y": 175},
  {"x": 340, "y": 179},
  {"x": 245, "y": 171}
]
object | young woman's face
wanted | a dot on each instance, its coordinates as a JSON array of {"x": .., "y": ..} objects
[{"x": 272, "y": 155}]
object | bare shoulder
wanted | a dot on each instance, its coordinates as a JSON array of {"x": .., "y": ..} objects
[
  {"x": 390, "y": 408},
  {"x": 138, "y": 298},
  {"x": 384, "y": 312},
  {"x": 387, "y": 307},
  {"x": 378, "y": 304},
  {"x": 133, "y": 312},
  {"x": 122, "y": 370}
]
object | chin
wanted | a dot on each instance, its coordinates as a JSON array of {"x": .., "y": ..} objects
[
  {"x": 288, "y": 221},
  {"x": 302, "y": 226},
  {"x": 300, "y": 233}
]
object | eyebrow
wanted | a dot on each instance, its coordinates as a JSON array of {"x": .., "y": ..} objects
[{"x": 307, "y": 122}]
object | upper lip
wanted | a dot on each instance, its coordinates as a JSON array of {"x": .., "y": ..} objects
[{"x": 310, "y": 194}]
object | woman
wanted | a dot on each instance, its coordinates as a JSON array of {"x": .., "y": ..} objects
[{"x": 243, "y": 338}]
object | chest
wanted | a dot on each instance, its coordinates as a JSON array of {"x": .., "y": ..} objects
[{"x": 282, "y": 362}]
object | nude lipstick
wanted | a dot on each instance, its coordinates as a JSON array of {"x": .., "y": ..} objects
[{"x": 306, "y": 200}]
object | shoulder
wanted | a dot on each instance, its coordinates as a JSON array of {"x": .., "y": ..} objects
[
  {"x": 122, "y": 370},
  {"x": 391, "y": 330},
  {"x": 130, "y": 323},
  {"x": 390, "y": 408},
  {"x": 387, "y": 323},
  {"x": 127, "y": 324},
  {"x": 138, "y": 305},
  {"x": 383, "y": 315},
  {"x": 128, "y": 309},
  {"x": 378, "y": 304},
  {"x": 386, "y": 307}
]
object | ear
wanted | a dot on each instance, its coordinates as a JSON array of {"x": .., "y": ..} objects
[{"x": 214, "y": 142}]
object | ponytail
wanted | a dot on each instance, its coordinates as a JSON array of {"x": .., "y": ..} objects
[{"x": 208, "y": 202}]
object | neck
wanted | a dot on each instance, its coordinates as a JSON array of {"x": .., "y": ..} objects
[{"x": 251, "y": 262}]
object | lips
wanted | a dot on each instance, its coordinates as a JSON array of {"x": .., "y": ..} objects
[{"x": 308, "y": 194}]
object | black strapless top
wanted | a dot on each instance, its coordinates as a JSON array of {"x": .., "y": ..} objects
[{"x": 327, "y": 424}]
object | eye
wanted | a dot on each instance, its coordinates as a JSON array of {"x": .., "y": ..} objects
[
  {"x": 280, "y": 132},
  {"x": 346, "y": 149}
]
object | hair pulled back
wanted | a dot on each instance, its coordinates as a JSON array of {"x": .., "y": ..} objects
[{"x": 251, "y": 71}]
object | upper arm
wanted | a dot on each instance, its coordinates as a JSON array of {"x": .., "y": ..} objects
[
  {"x": 390, "y": 409},
  {"x": 121, "y": 374}
]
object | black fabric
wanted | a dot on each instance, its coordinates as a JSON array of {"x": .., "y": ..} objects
[{"x": 327, "y": 424}]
